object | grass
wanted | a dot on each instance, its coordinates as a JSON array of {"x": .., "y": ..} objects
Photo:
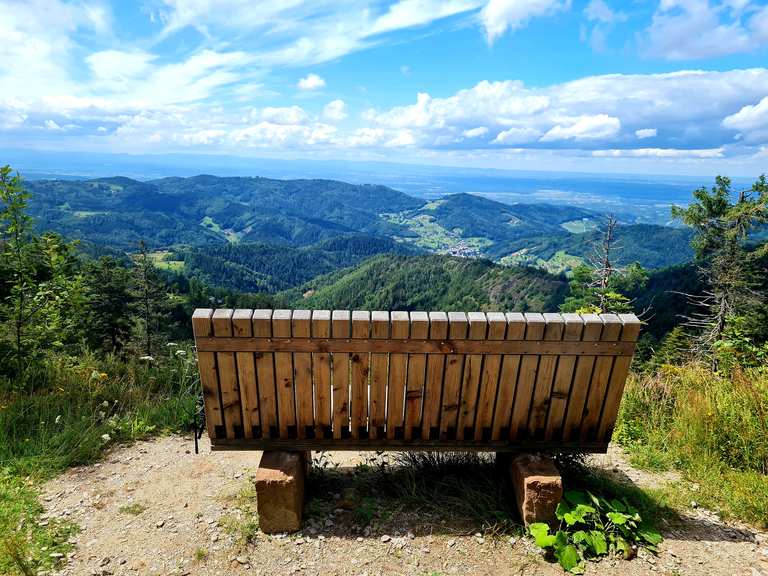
[
  {"x": 80, "y": 407},
  {"x": 713, "y": 428},
  {"x": 133, "y": 509},
  {"x": 243, "y": 522}
]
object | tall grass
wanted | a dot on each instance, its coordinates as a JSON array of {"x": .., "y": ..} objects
[
  {"x": 82, "y": 406},
  {"x": 713, "y": 427}
]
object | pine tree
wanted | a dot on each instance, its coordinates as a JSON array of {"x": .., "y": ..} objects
[
  {"x": 110, "y": 303},
  {"x": 151, "y": 300}
]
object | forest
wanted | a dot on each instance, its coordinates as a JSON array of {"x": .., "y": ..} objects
[{"x": 95, "y": 335}]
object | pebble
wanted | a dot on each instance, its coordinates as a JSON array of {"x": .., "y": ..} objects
[
  {"x": 451, "y": 543},
  {"x": 160, "y": 523},
  {"x": 411, "y": 535},
  {"x": 359, "y": 538},
  {"x": 241, "y": 560},
  {"x": 56, "y": 555},
  {"x": 386, "y": 538}
]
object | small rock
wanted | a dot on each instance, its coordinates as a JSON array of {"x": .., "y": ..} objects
[
  {"x": 451, "y": 543},
  {"x": 56, "y": 555},
  {"x": 241, "y": 560},
  {"x": 411, "y": 535},
  {"x": 215, "y": 538},
  {"x": 104, "y": 561},
  {"x": 477, "y": 535},
  {"x": 386, "y": 538},
  {"x": 160, "y": 523},
  {"x": 512, "y": 540},
  {"x": 481, "y": 540},
  {"x": 359, "y": 538},
  {"x": 694, "y": 504}
]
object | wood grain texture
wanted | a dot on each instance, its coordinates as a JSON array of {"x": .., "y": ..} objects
[
  {"x": 209, "y": 379},
  {"x": 379, "y": 376},
  {"x": 286, "y": 401},
  {"x": 321, "y": 374},
  {"x": 510, "y": 367},
  {"x": 340, "y": 328},
  {"x": 454, "y": 370},
  {"x": 526, "y": 379},
  {"x": 537, "y": 418},
  {"x": 470, "y": 384},
  {"x": 227, "y": 369},
  {"x": 361, "y": 328},
  {"x": 433, "y": 386},
  {"x": 261, "y": 323},
  {"x": 302, "y": 375},
  {"x": 489, "y": 381},
  {"x": 600, "y": 377},
  {"x": 574, "y": 326},
  {"x": 398, "y": 367},
  {"x": 417, "y": 366},
  {"x": 246, "y": 374}
]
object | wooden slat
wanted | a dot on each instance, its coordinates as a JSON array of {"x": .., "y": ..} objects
[
  {"x": 574, "y": 325},
  {"x": 433, "y": 386},
  {"x": 398, "y": 367},
  {"x": 545, "y": 376},
  {"x": 497, "y": 329},
  {"x": 582, "y": 375},
  {"x": 379, "y": 367},
  {"x": 261, "y": 322},
  {"x": 302, "y": 375},
  {"x": 510, "y": 367},
  {"x": 281, "y": 328},
  {"x": 454, "y": 368},
  {"x": 246, "y": 375},
  {"x": 406, "y": 346},
  {"x": 526, "y": 380},
  {"x": 340, "y": 328},
  {"x": 600, "y": 378},
  {"x": 417, "y": 366},
  {"x": 225, "y": 363},
  {"x": 470, "y": 385},
  {"x": 209, "y": 379},
  {"x": 361, "y": 326},
  {"x": 321, "y": 374},
  {"x": 629, "y": 333}
]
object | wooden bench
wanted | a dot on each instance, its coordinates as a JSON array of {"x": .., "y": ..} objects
[{"x": 299, "y": 380}]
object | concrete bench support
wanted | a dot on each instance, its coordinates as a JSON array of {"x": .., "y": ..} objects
[
  {"x": 538, "y": 487},
  {"x": 280, "y": 490}
]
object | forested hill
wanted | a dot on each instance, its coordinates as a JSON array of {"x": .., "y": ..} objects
[
  {"x": 180, "y": 214},
  {"x": 391, "y": 282}
]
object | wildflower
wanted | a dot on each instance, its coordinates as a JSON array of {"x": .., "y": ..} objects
[
  {"x": 103, "y": 376},
  {"x": 171, "y": 344},
  {"x": 146, "y": 358},
  {"x": 105, "y": 403},
  {"x": 181, "y": 352},
  {"x": 106, "y": 437},
  {"x": 58, "y": 419},
  {"x": 102, "y": 414}
]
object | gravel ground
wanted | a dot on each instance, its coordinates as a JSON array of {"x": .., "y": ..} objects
[{"x": 156, "y": 508}]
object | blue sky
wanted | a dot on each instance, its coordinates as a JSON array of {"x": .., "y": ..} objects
[{"x": 669, "y": 86}]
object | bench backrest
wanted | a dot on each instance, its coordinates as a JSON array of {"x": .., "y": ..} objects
[{"x": 301, "y": 380}]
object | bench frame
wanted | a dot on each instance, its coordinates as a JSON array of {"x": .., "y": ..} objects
[{"x": 502, "y": 382}]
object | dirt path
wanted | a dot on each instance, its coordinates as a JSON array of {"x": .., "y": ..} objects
[{"x": 154, "y": 508}]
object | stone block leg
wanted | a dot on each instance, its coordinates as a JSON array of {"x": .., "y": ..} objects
[
  {"x": 280, "y": 491},
  {"x": 538, "y": 487}
]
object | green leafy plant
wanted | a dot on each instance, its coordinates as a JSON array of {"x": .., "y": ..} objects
[{"x": 591, "y": 527}]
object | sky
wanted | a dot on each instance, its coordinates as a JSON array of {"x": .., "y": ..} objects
[{"x": 645, "y": 86}]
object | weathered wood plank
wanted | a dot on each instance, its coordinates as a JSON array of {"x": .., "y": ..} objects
[
  {"x": 526, "y": 380},
  {"x": 574, "y": 326},
  {"x": 406, "y": 346},
  {"x": 593, "y": 328},
  {"x": 497, "y": 329},
  {"x": 261, "y": 322},
  {"x": 209, "y": 378},
  {"x": 321, "y": 374},
  {"x": 286, "y": 407},
  {"x": 361, "y": 326},
  {"x": 340, "y": 328},
  {"x": 225, "y": 363},
  {"x": 379, "y": 375},
  {"x": 454, "y": 369},
  {"x": 398, "y": 367},
  {"x": 302, "y": 375},
  {"x": 470, "y": 385},
  {"x": 246, "y": 375},
  {"x": 537, "y": 419},
  {"x": 433, "y": 386},
  {"x": 417, "y": 366},
  {"x": 600, "y": 378},
  {"x": 510, "y": 367},
  {"x": 629, "y": 333}
]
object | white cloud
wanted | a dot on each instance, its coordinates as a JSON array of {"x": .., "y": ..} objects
[
  {"x": 475, "y": 132},
  {"x": 409, "y": 13},
  {"x": 311, "y": 82},
  {"x": 113, "y": 65},
  {"x": 584, "y": 128},
  {"x": 659, "y": 153},
  {"x": 52, "y": 125},
  {"x": 284, "y": 115},
  {"x": 691, "y": 29},
  {"x": 517, "y": 136},
  {"x": 500, "y": 16},
  {"x": 335, "y": 110},
  {"x": 646, "y": 133},
  {"x": 598, "y": 10},
  {"x": 751, "y": 121}
]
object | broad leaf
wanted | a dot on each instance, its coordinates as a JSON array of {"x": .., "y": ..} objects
[
  {"x": 617, "y": 518},
  {"x": 569, "y": 559},
  {"x": 541, "y": 535},
  {"x": 599, "y": 545}
]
